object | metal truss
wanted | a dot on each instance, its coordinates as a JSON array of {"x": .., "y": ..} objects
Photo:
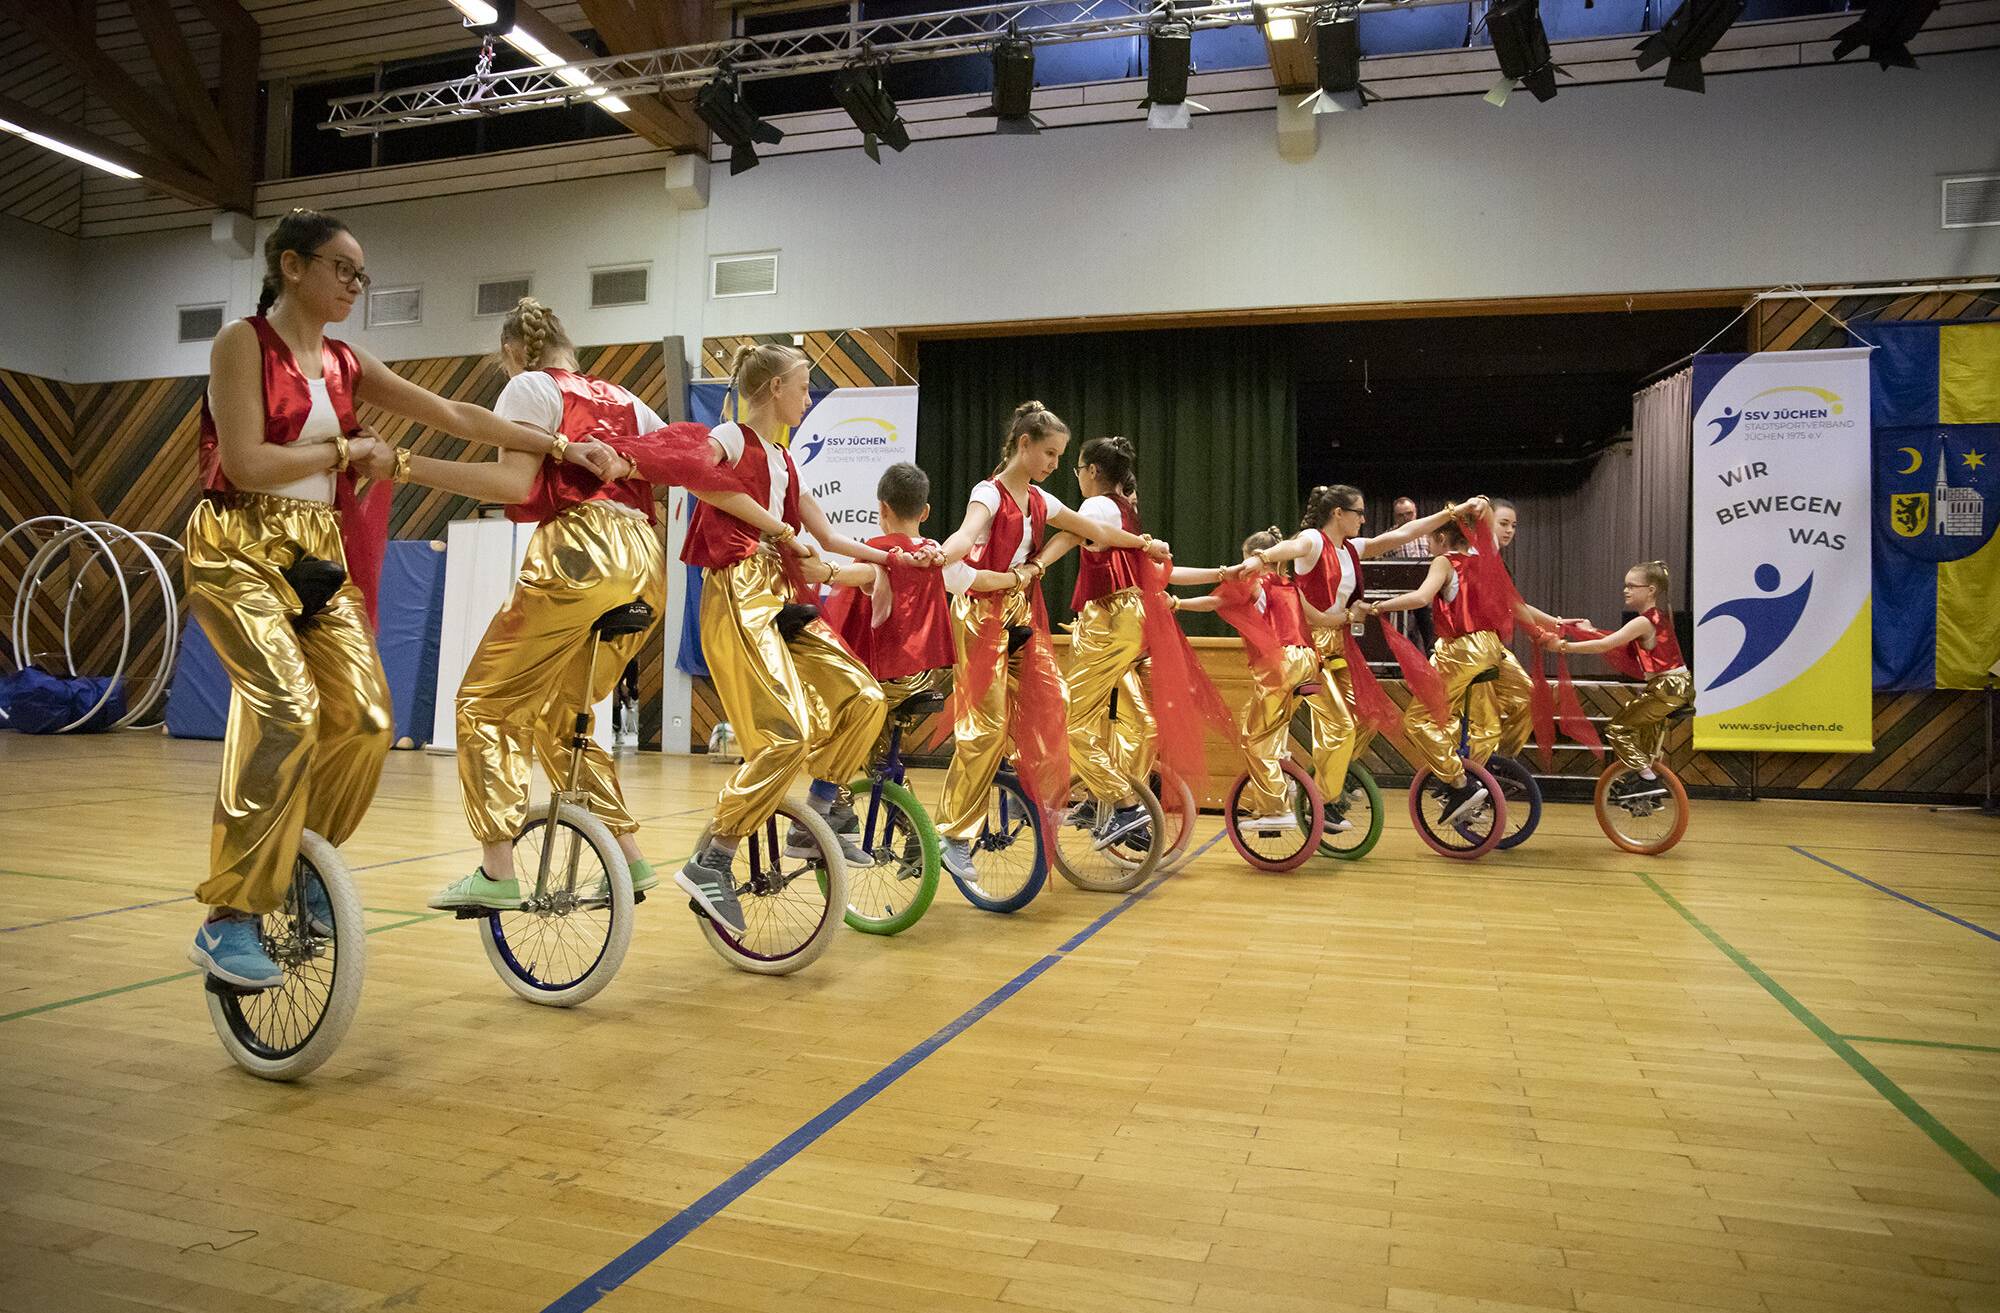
[{"x": 808, "y": 50}]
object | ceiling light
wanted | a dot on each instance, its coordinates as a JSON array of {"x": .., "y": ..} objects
[{"x": 64, "y": 148}]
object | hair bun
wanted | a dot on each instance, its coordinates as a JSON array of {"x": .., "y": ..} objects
[{"x": 1028, "y": 408}]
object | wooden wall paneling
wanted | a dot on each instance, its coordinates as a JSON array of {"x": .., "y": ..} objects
[{"x": 37, "y": 426}]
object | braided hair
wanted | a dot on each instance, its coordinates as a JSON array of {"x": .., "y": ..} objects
[{"x": 534, "y": 328}]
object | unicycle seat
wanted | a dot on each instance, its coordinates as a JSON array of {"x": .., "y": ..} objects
[
  {"x": 1681, "y": 713},
  {"x": 920, "y": 706},
  {"x": 315, "y": 581},
  {"x": 793, "y": 617},
  {"x": 632, "y": 618},
  {"x": 1311, "y": 688},
  {"x": 1017, "y": 637},
  {"x": 1486, "y": 676}
]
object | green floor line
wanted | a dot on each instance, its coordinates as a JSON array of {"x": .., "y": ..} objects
[
  {"x": 178, "y": 975},
  {"x": 1922, "y": 1043},
  {"x": 1961, "y": 1152}
]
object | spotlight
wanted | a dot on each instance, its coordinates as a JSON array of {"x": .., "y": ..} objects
[
  {"x": 720, "y": 105},
  {"x": 858, "y": 90},
  {"x": 1523, "y": 47},
  {"x": 1885, "y": 27},
  {"x": 1691, "y": 33},
  {"x": 1337, "y": 48},
  {"x": 1169, "y": 60},
  {"x": 487, "y": 17},
  {"x": 1013, "y": 88}
]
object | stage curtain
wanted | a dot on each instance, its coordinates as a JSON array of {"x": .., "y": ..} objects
[{"x": 1213, "y": 414}]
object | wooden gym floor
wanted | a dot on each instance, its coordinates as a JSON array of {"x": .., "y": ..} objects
[{"x": 1760, "y": 1073}]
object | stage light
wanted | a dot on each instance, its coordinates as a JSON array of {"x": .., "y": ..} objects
[
  {"x": 1279, "y": 24},
  {"x": 64, "y": 148},
  {"x": 1522, "y": 45},
  {"x": 720, "y": 105},
  {"x": 1885, "y": 27},
  {"x": 1169, "y": 60},
  {"x": 858, "y": 90},
  {"x": 1691, "y": 33},
  {"x": 1337, "y": 49},
  {"x": 487, "y": 19},
  {"x": 1013, "y": 88}
]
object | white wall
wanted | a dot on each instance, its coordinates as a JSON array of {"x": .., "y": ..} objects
[
  {"x": 39, "y": 310},
  {"x": 1825, "y": 175}
]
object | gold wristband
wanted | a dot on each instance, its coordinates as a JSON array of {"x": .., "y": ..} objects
[
  {"x": 340, "y": 457},
  {"x": 401, "y": 474},
  {"x": 558, "y": 447},
  {"x": 784, "y": 535}
]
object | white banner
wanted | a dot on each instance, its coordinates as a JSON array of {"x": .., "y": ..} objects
[
  {"x": 845, "y": 443},
  {"x": 1781, "y": 510}
]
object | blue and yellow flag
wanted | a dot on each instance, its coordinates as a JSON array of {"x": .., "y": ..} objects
[{"x": 1937, "y": 501}]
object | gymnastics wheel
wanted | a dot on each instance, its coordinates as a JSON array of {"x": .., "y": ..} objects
[
  {"x": 1177, "y": 801},
  {"x": 1279, "y": 848},
  {"x": 563, "y": 944},
  {"x": 286, "y": 1032},
  {"x": 1361, "y": 807},
  {"x": 790, "y": 906},
  {"x": 893, "y": 894},
  {"x": 1010, "y": 862},
  {"x": 1108, "y": 868},
  {"x": 1649, "y": 817},
  {"x": 1524, "y": 799},
  {"x": 1471, "y": 836}
]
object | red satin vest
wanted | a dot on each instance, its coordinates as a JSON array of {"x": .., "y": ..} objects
[
  {"x": 916, "y": 635},
  {"x": 716, "y": 539},
  {"x": 1456, "y": 618},
  {"x": 1321, "y": 584},
  {"x": 1666, "y": 653},
  {"x": 1288, "y": 620},
  {"x": 1100, "y": 574},
  {"x": 591, "y": 408},
  {"x": 1007, "y": 526},
  {"x": 364, "y": 518}
]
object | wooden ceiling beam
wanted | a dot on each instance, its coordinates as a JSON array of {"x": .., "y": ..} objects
[
  {"x": 159, "y": 174},
  {"x": 627, "y": 29},
  {"x": 169, "y": 48}
]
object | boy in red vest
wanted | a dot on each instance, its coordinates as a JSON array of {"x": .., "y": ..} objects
[{"x": 895, "y": 617}]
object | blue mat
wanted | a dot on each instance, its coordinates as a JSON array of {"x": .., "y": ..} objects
[{"x": 412, "y": 606}]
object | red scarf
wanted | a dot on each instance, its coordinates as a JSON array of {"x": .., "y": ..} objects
[{"x": 1183, "y": 694}]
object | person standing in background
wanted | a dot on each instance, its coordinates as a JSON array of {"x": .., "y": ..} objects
[{"x": 1416, "y": 625}]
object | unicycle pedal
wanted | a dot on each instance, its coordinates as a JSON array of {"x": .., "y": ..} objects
[{"x": 224, "y": 989}]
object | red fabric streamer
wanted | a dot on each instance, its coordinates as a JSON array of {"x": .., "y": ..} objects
[
  {"x": 677, "y": 455},
  {"x": 1418, "y": 673},
  {"x": 1041, "y": 723},
  {"x": 1494, "y": 596},
  {"x": 1621, "y": 659},
  {"x": 986, "y": 657},
  {"x": 1260, "y": 637},
  {"x": 1558, "y": 706},
  {"x": 364, "y": 534},
  {"x": 1569, "y": 711},
  {"x": 1183, "y": 696},
  {"x": 1372, "y": 707},
  {"x": 1542, "y": 706}
]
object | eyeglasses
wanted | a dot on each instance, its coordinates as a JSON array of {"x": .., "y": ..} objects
[{"x": 346, "y": 271}]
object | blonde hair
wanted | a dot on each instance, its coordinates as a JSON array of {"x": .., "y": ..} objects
[
  {"x": 1266, "y": 538},
  {"x": 1656, "y": 578},
  {"x": 753, "y": 368},
  {"x": 540, "y": 335},
  {"x": 1031, "y": 420}
]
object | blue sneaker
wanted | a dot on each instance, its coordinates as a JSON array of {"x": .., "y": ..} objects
[{"x": 231, "y": 951}]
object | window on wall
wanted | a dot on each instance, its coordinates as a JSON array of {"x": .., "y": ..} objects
[{"x": 317, "y": 151}]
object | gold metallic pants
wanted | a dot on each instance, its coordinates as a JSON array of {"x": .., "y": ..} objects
[
  {"x": 309, "y": 714},
  {"x": 1457, "y": 661},
  {"x": 1336, "y": 733},
  {"x": 1267, "y": 727},
  {"x": 979, "y": 738},
  {"x": 527, "y": 681},
  {"x": 807, "y": 704},
  {"x": 1106, "y": 644},
  {"x": 1135, "y": 743},
  {"x": 1639, "y": 730}
]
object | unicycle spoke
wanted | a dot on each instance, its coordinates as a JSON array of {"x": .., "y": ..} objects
[{"x": 567, "y": 938}]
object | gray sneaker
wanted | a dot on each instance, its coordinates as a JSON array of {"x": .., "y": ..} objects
[
  {"x": 841, "y": 819},
  {"x": 800, "y": 843},
  {"x": 958, "y": 861},
  {"x": 708, "y": 879}
]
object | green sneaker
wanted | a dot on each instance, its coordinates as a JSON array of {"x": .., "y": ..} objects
[
  {"x": 476, "y": 890},
  {"x": 643, "y": 877}
]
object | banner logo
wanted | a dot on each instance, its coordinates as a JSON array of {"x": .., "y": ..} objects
[
  {"x": 1910, "y": 512},
  {"x": 1767, "y": 621}
]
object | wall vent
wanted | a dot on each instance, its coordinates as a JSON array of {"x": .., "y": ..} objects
[
  {"x": 1972, "y": 202},
  {"x": 743, "y": 275},
  {"x": 200, "y": 323},
  {"x": 395, "y": 307},
  {"x": 500, "y": 296},
  {"x": 626, "y": 286}
]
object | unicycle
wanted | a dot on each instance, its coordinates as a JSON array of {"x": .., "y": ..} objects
[
  {"x": 1090, "y": 851},
  {"x": 790, "y": 904},
  {"x": 1177, "y": 802},
  {"x": 1524, "y": 798},
  {"x": 1481, "y": 828},
  {"x": 1279, "y": 841},
  {"x": 568, "y": 937},
  {"x": 1359, "y": 804},
  {"x": 893, "y": 894},
  {"x": 285, "y": 1032},
  {"x": 1640, "y": 815},
  {"x": 1010, "y": 862}
]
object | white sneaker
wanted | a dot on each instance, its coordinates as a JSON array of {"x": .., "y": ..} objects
[{"x": 1273, "y": 823}]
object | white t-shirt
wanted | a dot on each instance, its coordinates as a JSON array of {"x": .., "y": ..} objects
[
  {"x": 729, "y": 437},
  {"x": 321, "y": 426},
  {"x": 987, "y": 493},
  {"x": 1316, "y": 546},
  {"x": 1103, "y": 510}
]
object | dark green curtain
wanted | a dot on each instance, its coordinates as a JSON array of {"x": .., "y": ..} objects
[{"x": 1212, "y": 413}]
